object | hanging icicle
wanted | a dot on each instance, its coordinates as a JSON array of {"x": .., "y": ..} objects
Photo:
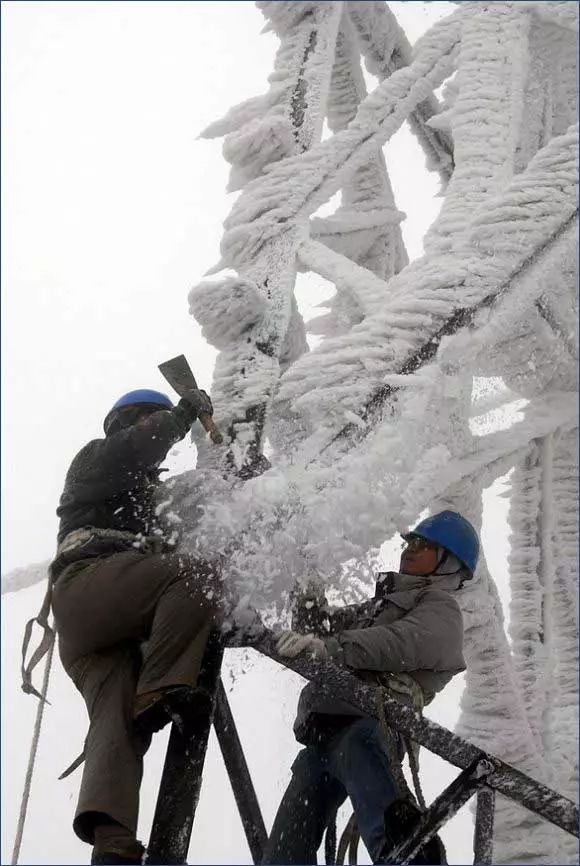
[{"x": 563, "y": 713}]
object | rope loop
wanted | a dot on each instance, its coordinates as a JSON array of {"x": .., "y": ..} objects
[{"x": 33, "y": 752}]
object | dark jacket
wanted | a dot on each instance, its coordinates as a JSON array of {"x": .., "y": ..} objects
[
  {"x": 112, "y": 482},
  {"x": 416, "y": 629}
]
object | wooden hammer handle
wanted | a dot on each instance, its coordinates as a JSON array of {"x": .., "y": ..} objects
[{"x": 207, "y": 423}]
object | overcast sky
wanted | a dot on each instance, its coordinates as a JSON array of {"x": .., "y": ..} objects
[{"x": 113, "y": 208}]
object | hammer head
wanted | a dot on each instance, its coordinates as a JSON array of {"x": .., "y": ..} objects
[{"x": 178, "y": 373}]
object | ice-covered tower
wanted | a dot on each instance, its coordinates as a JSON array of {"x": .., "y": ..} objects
[{"x": 382, "y": 419}]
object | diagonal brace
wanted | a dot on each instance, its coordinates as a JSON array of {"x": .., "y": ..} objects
[
  {"x": 461, "y": 317},
  {"x": 442, "y": 809},
  {"x": 241, "y": 781},
  {"x": 336, "y": 682},
  {"x": 483, "y": 832},
  {"x": 182, "y": 773}
]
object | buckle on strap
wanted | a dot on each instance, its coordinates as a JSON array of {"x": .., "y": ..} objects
[
  {"x": 78, "y": 538},
  {"x": 44, "y": 647},
  {"x": 404, "y": 688},
  {"x": 74, "y": 539}
]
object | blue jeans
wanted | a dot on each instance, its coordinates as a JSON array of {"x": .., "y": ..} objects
[{"x": 353, "y": 763}]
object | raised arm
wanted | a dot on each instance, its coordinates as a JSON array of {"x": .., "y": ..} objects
[{"x": 106, "y": 467}]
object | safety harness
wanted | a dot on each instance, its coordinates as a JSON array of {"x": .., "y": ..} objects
[
  {"x": 44, "y": 646},
  {"x": 85, "y": 543}
]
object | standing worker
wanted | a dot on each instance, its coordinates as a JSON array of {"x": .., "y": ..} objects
[
  {"x": 132, "y": 614},
  {"x": 408, "y": 639}
]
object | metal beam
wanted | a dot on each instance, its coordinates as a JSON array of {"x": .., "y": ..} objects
[
  {"x": 377, "y": 405},
  {"x": 564, "y": 334},
  {"x": 273, "y": 266},
  {"x": 334, "y": 682},
  {"x": 182, "y": 773},
  {"x": 374, "y": 23},
  {"x": 241, "y": 781},
  {"x": 483, "y": 833},
  {"x": 441, "y": 810}
]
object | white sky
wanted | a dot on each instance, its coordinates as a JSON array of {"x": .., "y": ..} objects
[{"x": 112, "y": 209}]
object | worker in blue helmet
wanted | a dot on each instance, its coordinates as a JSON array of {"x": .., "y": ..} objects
[
  {"x": 407, "y": 639},
  {"x": 132, "y": 614},
  {"x": 134, "y": 404},
  {"x": 454, "y": 537}
]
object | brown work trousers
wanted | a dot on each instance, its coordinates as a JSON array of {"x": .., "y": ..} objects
[{"x": 128, "y": 623}]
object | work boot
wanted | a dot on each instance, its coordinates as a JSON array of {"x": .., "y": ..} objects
[
  {"x": 400, "y": 820},
  {"x": 177, "y": 704},
  {"x": 150, "y": 711},
  {"x": 116, "y": 844}
]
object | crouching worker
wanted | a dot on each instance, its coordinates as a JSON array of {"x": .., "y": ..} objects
[
  {"x": 132, "y": 615},
  {"x": 409, "y": 639}
]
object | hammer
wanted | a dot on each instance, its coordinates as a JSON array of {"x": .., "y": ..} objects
[{"x": 178, "y": 373}]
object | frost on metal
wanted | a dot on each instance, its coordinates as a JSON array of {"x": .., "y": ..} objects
[{"x": 383, "y": 416}]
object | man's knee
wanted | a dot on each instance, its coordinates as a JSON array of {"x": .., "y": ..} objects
[
  {"x": 307, "y": 768},
  {"x": 194, "y": 570},
  {"x": 198, "y": 575}
]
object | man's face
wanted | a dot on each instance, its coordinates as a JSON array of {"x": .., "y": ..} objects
[{"x": 419, "y": 556}]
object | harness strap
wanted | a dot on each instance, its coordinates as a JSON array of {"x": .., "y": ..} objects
[
  {"x": 330, "y": 841},
  {"x": 47, "y": 641},
  {"x": 413, "y": 752},
  {"x": 401, "y": 786},
  {"x": 67, "y": 553},
  {"x": 348, "y": 840},
  {"x": 405, "y": 689},
  {"x": 74, "y": 541},
  {"x": 76, "y": 763},
  {"x": 353, "y": 846}
]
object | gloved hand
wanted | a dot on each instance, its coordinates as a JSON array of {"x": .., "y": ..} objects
[
  {"x": 200, "y": 401},
  {"x": 290, "y": 644},
  {"x": 191, "y": 405}
]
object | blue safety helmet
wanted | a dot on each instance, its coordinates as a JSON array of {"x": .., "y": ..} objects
[
  {"x": 450, "y": 530},
  {"x": 134, "y": 398}
]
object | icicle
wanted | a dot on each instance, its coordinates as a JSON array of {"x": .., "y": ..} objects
[
  {"x": 486, "y": 115},
  {"x": 563, "y": 721},
  {"x": 294, "y": 188},
  {"x": 527, "y": 620},
  {"x": 559, "y": 12},
  {"x": 385, "y": 49},
  {"x": 226, "y": 309},
  {"x": 260, "y": 330},
  {"x": 506, "y": 230},
  {"x": 369, "y": 189}
]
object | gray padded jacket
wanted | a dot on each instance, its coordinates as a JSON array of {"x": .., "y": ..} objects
[{"x": 416, "y": 629}]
